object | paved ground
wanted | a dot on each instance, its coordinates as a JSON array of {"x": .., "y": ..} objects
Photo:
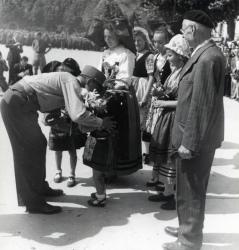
[{"x": 128, "y": 221}]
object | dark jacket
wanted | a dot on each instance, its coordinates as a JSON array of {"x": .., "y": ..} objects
[
  {"x": 199, "y": 121},
  {"x": 13, "y": 55},
  {"x": 18, "y": 68}
]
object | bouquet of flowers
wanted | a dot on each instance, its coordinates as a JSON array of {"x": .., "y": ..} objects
[
  {"x": 96, "y": 103},
  {"x": 235, "y": 75}
]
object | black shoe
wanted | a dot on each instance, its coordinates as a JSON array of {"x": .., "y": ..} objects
[
  {"x": 152, "y": 183},
  {"x": 173, "y": 231},
  {"x": 160, "y": 197},
  {"x": 53, "y": 192},
  {"x": 169, "y": 205},
  {"x": 44, "y": 209},
  {"x": 177, "y": 245},
  {"x": 160, "y": 187}
]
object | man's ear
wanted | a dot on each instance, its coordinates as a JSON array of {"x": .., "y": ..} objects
[
  {"x": 81, "y": 81},
  {"x": 194, "y": 29}
]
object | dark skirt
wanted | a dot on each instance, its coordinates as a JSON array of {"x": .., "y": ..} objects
[
  {"x": 63, "y": 141},
  {"x": 160, "y": 147},
  {"x": 118, "y": 152}
]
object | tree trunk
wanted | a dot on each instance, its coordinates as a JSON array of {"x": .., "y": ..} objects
[{"x": 231, "y": 25}]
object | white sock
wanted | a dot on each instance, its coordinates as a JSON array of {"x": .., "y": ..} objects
[{"x": 100, "y": 196}]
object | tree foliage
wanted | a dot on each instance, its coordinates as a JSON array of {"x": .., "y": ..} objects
[
  {"x": 44, "y": 14},
  {"x": 50, "y": 14},
  {"x": 154, "y": 13}
]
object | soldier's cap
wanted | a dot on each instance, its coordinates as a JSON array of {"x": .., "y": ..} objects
[{"x": 93, "y": 73}]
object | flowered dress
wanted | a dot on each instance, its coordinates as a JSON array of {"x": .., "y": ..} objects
[{"x": 160, "y": 68}]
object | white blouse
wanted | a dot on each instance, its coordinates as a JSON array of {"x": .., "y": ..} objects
[{"x": 123, "y": 58}]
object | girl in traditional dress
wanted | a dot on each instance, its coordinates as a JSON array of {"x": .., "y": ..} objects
[
  {"x": 118, "y": 63},
  {"x": 160, "y": 146},
  {"x": 159, "y": 67},
  {"x": 70, "y": 139}
]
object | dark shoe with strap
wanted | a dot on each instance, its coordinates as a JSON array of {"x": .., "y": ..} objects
[
  {"x": 44, "y": 209},
  {"x": 177, "y": 245},
  {"x": 160, "y": 197},
  {"x": 169, "y": 205},
  {"x": 53, "y": 192},
  {"x": 96, "y": 202},
  {"x": 173, "y": 231}
]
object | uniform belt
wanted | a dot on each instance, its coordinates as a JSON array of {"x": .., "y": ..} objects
[{"x": 27, "y": 92}]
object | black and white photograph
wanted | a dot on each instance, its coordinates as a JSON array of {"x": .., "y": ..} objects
[{"x": 119, "y": 125}]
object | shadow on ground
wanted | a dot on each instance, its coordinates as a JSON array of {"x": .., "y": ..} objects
[
  {"x": 214, "y": 241},
  {"x": 75, "y": 224},
  {"x": 223, "y": 185}
]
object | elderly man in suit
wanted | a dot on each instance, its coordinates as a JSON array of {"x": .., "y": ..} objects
[{"x": 198, "y": 128}]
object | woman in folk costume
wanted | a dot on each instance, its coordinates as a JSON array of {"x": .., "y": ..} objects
[
  {"x": 160, "y": 68},
  {"x": 142, "y": 80},
  {"x": 118, "y": 62},
  {"x": 178, "y": 52}
]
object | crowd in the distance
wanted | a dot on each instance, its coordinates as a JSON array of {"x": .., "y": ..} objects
[{"x": 61, "y": 40}]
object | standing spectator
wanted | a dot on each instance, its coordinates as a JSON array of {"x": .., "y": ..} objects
[
  {"x": 160, "y": 146},
  {"x": 3, "y": 67},
  {"x": 40, "y": 48},
  {"x": 198, "y": 128},
  {"x": 160, "y": 69},
  {"x": 13, "y": 57},
  {"x": 22, "y": 69},
  {"x": 235, "y": 79},
  {"x": 142, "y": 81}
]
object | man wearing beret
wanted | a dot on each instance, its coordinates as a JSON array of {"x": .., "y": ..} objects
[{"x": 198, "y": 128}]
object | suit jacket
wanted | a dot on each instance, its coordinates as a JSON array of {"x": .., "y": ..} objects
[{"x": 199, "y": 120}]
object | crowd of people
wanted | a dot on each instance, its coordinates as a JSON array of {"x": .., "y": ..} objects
[
  {"x": 167, "y": 92},
  {"x": 61, "y": 40}
]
